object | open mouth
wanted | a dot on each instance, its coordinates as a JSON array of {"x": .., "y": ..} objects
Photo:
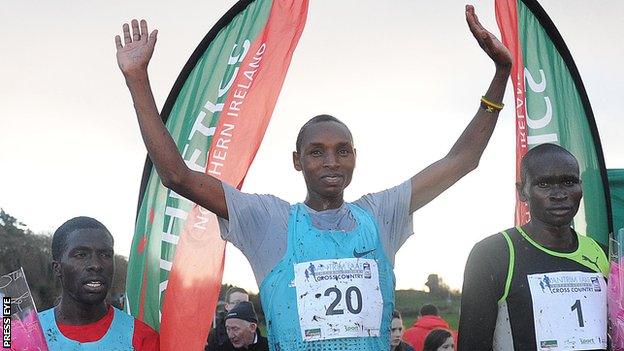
[{"x": 94, "y": 286}]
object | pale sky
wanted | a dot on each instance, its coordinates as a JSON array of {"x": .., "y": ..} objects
[{"x": 406, "y": 76}]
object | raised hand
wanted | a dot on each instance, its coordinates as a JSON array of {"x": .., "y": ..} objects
[
  {"x": 487, "y": 41},
  {"x": 135, "y": 53}
]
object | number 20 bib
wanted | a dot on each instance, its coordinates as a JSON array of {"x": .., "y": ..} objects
[
  {"x": 570, "y": 310},
  {"x": 338, "y": 298}
]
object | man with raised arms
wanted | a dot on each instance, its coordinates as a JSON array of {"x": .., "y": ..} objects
[
  {"x": 324, "y": 267},
  {"x": 540, "y": 286}
]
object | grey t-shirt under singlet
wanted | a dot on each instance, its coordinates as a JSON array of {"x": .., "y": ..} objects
[{"x": 258, "y": 224}]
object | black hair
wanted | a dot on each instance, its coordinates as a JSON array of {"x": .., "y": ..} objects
[
  {"x": 59, "y": 239},
  {"x": 428, "y": 310},
  {"x": 232, "y": 290},
  {"x": 435, "y": 339},
  {"x": 533, "y": 155},
  {"x": 396, "y": 314},
  {"x": 314, "y": 120}
]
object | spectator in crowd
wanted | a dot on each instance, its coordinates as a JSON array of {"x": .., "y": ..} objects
[
  {"x": 428, "y": 321},
  {"x": 439, "y": 340},
  {"x": 241, "y": 324},
  {"x": 396, "y": 333},
  {"x": 218, "y": 339}
]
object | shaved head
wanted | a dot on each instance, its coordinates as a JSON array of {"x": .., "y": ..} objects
[{"x": 541, "y": 153}]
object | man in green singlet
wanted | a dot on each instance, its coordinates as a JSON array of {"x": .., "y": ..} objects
[{"x": 540, "y": 286}]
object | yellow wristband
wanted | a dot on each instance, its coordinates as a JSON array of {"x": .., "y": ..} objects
[{"x": 491, "y": 106}]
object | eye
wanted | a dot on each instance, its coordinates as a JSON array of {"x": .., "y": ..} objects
[
  {"x": 542, "y": 184},
  {"x": 570, "y": 182},
  {"x": 80, "y": 254},
  {"x": 106, "y": 254},
  {"x": 343, "y": 152},
  {"x": 316, "y": 152}
]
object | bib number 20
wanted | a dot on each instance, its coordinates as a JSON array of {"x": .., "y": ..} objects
[{"x": 351, "y": 293}]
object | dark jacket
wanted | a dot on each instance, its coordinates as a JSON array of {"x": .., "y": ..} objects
[{"x": 261, "y": 345}]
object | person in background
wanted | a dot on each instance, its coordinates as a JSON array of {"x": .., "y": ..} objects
[
  {"x": 396, "y": 333},
  {"x": 429, "y": 320},
  {"x": 218, "y": 339},
  {"x": 439, "y": 340},
  {"x": 83, "y": 260},
  {"x": 241, "y": 324}
]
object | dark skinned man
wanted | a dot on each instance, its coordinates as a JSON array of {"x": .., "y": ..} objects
[
  {"x": 541, "y": 285},
  {"x": 83, "y": 260},
  {"x": 324, "y": 267}
]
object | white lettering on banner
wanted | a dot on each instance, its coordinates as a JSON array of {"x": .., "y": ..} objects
[
  {"x": 544, "y": 121},
  {"x": 197, "y": 162},
  {"x": 197, "y": 159},
  {"x": 219, "y": 151}
]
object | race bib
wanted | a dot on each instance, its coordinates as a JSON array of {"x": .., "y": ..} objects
[
  {"x": 338, "y": 298},
  {"x": 570, "y": 310}
]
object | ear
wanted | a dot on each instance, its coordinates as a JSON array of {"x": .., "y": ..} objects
[
  {"x": 56, "y": 268},
  {"x": 296, "y": 161},
  {"x": 521, "y": 193}
]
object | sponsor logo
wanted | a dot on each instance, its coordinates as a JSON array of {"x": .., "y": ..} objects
[
  {"x": 594, "y": 262},
  {"x": 596, "y": 283},
  {"x": 587, "y": 341},
  {"x": 312, "y": 333},
  {"x": 569, "y": 284},
  {"x": 338, "y": 270},
  {"x": 361, "y": 254},
  {"x": 548, "y": 344}
]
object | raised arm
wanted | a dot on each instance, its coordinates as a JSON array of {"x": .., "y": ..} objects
[
  {"x": 465, "y": 154},
  {"x": 133, "y": 56}
]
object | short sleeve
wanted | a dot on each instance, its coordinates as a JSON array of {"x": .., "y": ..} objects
[
  {"x": 256, "y": 225},
  {"x": 390, "y": 208}
]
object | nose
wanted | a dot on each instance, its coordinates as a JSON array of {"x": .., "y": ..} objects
[
  {"x": 330, "y": 160},
  {"x": 559, "y": 193},
  {"x": 94, "y": 264}
]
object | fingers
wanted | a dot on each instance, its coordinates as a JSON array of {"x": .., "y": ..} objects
[
  {"x": 153, "y": 37},
  {"x": 126, "y": 34},
  {"x": 144, "y": 32},
  {"x": 473, "y": 21},
  {"x": 136, "y": 35}
]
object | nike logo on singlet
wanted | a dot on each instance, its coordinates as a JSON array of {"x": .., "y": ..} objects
[
  {"x": 595, "y": 262},
  {"x": 361, "y": 254}
]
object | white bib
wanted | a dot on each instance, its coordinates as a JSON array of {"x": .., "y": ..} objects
[
  {"x": 570, "y": 310},
  {"x": 338, "y": 298}
]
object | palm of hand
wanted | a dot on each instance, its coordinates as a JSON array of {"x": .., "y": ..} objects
[{"x": 134, "y": 56}]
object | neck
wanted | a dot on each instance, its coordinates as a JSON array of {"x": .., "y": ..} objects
[
  {"x": 559, "y": 238},
  {"x": 72, "y": 312},
  {"x": 319, "y": 203}
]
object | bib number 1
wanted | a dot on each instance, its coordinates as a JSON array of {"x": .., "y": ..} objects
[
  {"x": 569, "y": 310},
  {"x": 579, "y": 312}
]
